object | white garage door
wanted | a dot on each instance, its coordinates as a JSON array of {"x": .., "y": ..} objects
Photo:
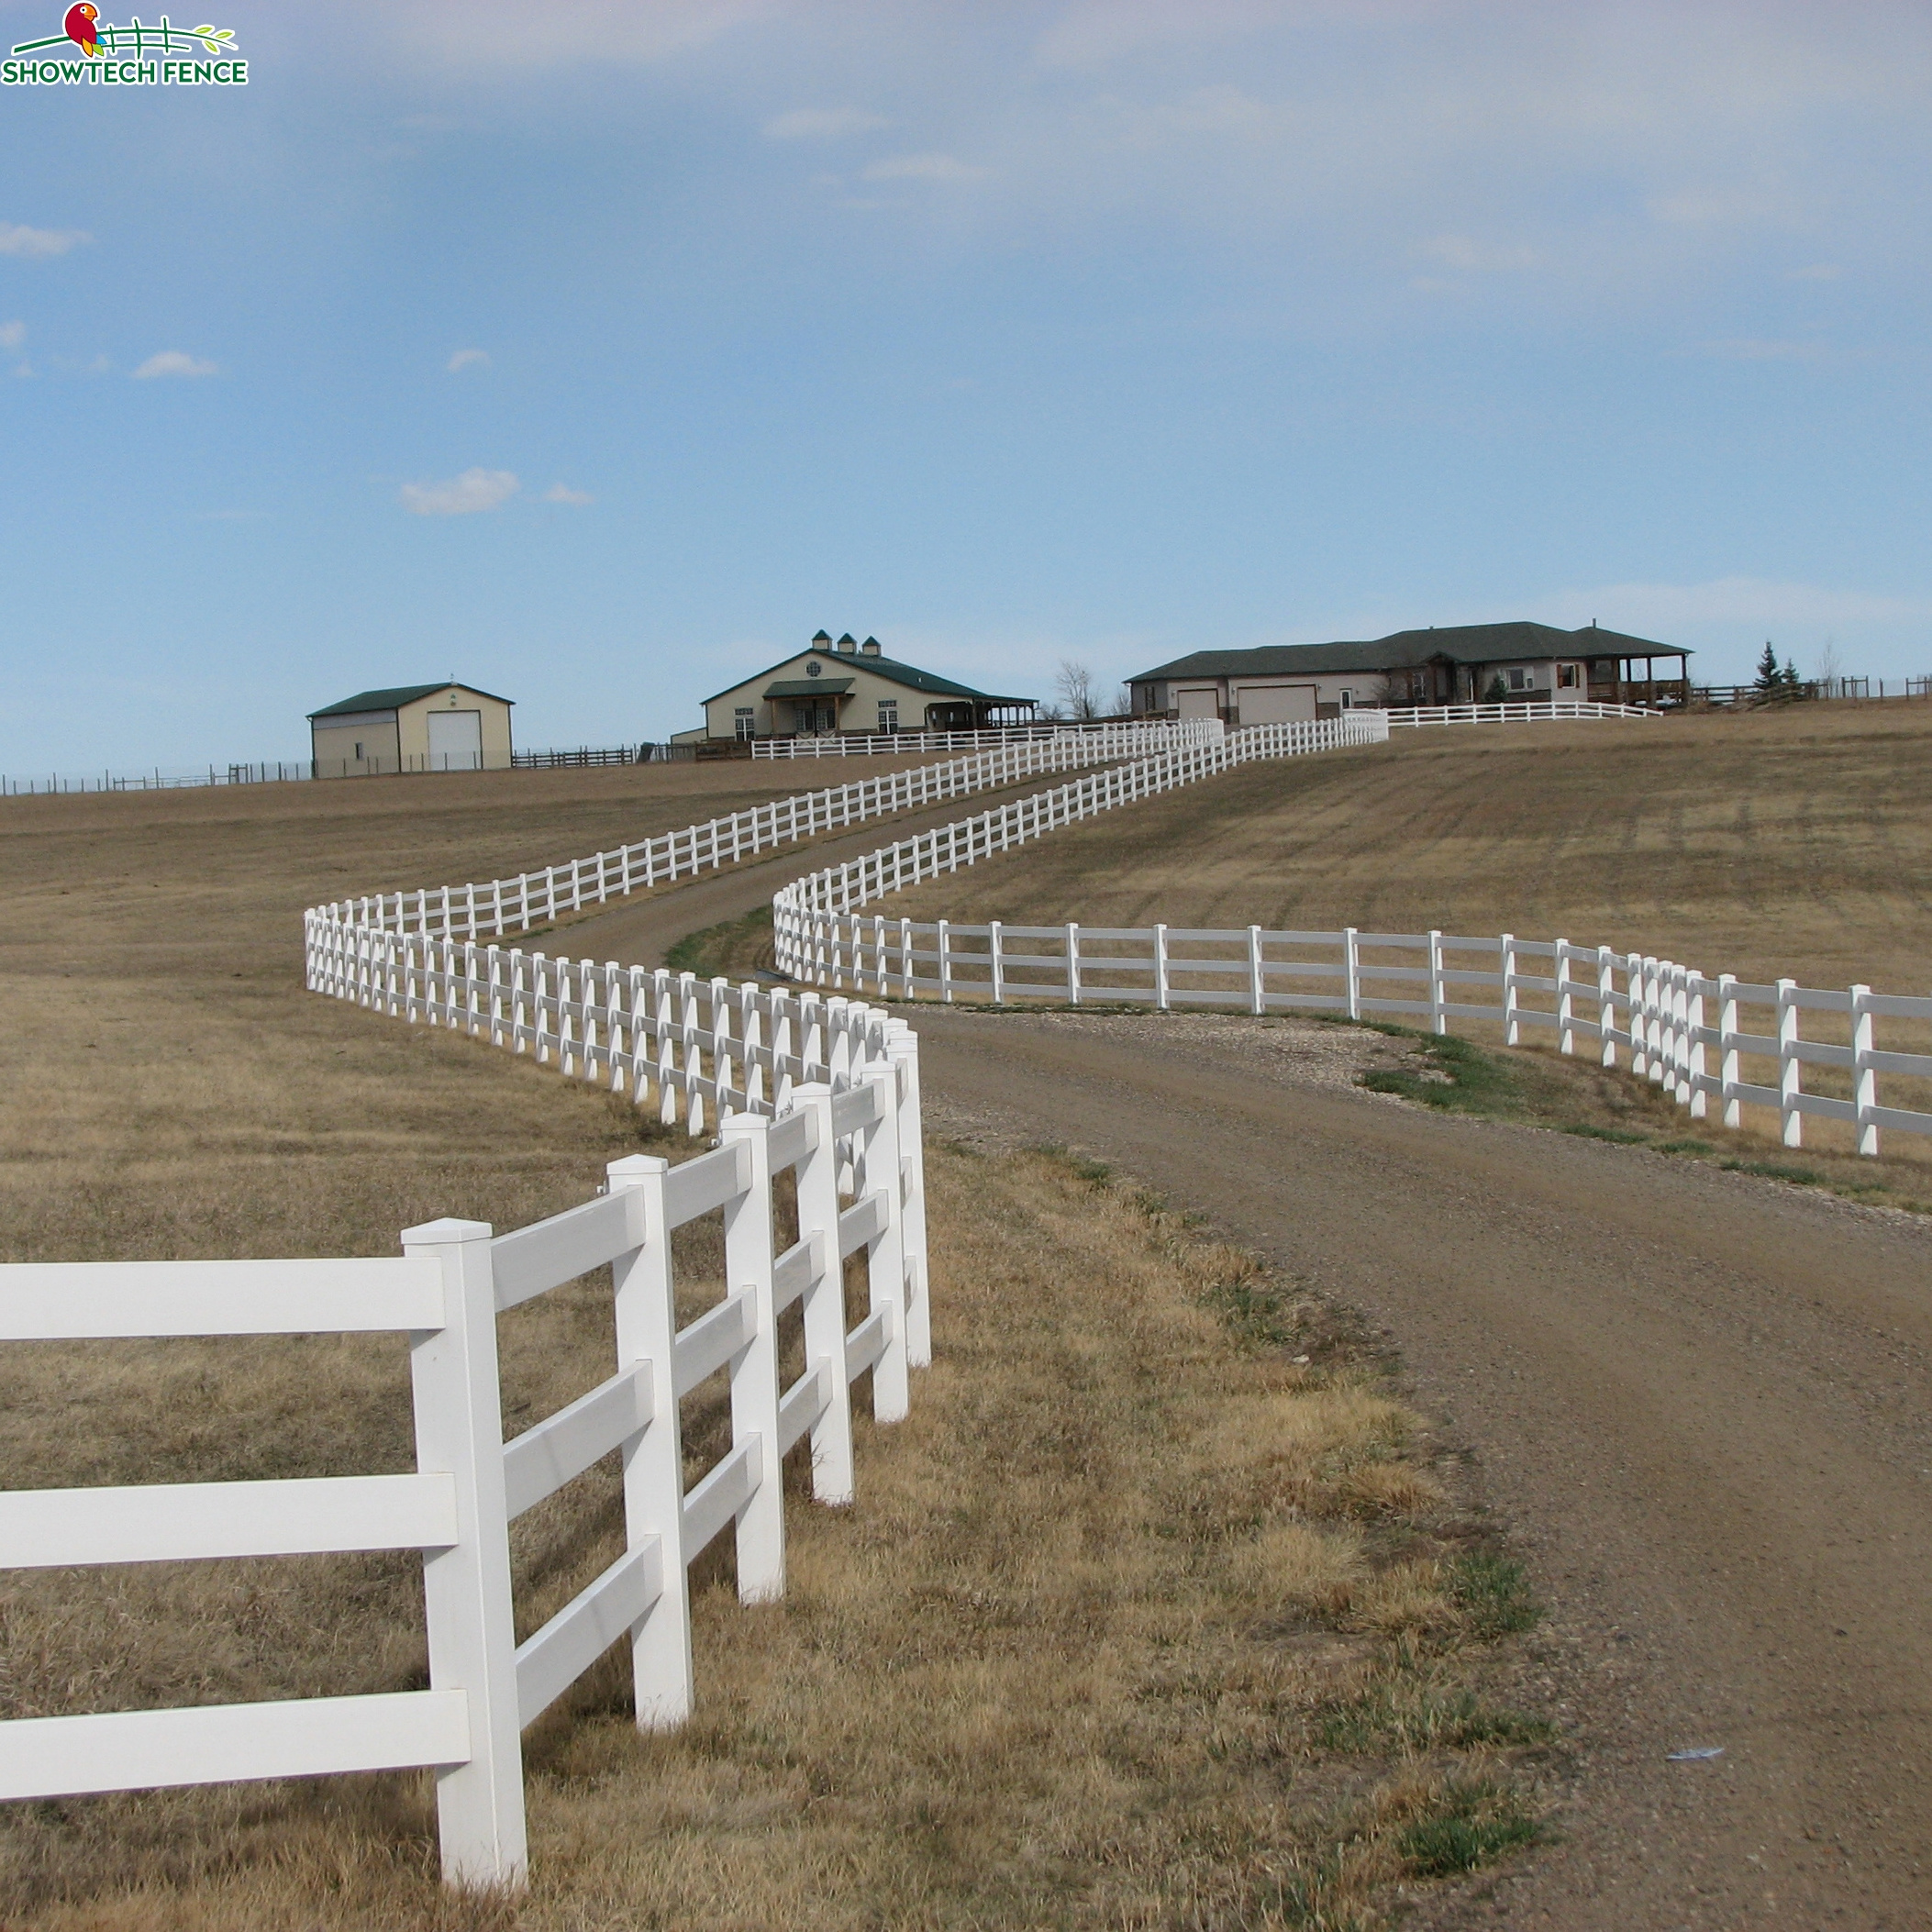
[
  {"x": 1203, "y": 701},
  {"x": 1275, "y": 704},
  {"x": 456, "y": 740}
]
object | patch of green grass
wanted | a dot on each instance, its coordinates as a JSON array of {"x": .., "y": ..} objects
[
  {"x": 1398, "y": 1716},
  {"x": 1255, "y": 1311},
  {"x": 1685, "y": 1147},
  {"x": 1776, "y": 1171},
  {"x": 1492, "y": 1593},
  {"x": 1449, "y": 1075},
  {"x": 710, "y": 950},
  {"x": 1615, "y": 1135},
  {"x": 1472, "y": 1822}
]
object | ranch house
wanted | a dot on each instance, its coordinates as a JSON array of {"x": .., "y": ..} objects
[
  {"x": 849, "y": 687},
  {"x": 413, "y": 728},
  {"x": 1458, "y": 664}
]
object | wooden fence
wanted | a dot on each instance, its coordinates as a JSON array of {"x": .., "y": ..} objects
[
  {"x": 536, "y": 898},
  {"x": 824, "y": 1090}
]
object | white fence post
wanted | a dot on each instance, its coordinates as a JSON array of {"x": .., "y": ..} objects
[
  {"x": 1693, "y": 1033},
  {"x": 1790, "y": 1068},
  {"x": 1351, "y": 970},
  {"x": 1438, "y": 992},
  {"x": 945, "y": 948},
  {"x": 1728, "y": 1062},
  {"x": 1257, "y": 994},
  {"x": 832, "y": 1470},
  {"x": 1864, "y": 1074},
  {"x": 1506, "y": 958},
  {"x": 998, "y": 964},
  {"x": 754, "y": 1372},
  {"x": 1637, "y": 985},
  {"x": 1072, "y": 964},
  {"x": 1606, "y": 1003},
  {"x": 466, "y": 1588},
  {"x": 1160, "y": 988},
  {"x": 661, "y": 1675},
  {"x": 903, "y": 1049},
  {"x": 885, "y": 1258},
  {"x": 1566, "y": 1016}
]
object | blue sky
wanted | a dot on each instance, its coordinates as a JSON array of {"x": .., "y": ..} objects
[{"x": 600, "y": 354}]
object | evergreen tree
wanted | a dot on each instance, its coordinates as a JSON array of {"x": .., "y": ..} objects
[{"x": 1771, "y": 680}]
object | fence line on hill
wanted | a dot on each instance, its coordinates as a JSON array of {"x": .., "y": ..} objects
[
  {"x": 1546, "y": 711},
  {"x": 824, "y": 1090},
  {"x": 1121, "y": 733},
  {"x": 965, "y": 841},
  {"x": 1689, "y": 1032},
  {"x": 1654, "y": 1009},
  {"x": 537, "y": 897}
]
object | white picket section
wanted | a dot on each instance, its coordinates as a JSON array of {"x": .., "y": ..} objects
[{"x": 539, "y": 898}]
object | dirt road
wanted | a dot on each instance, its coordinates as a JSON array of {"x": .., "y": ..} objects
[{"x": 1698, "y": 1398}]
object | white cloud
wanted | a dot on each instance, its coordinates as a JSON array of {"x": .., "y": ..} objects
[
  {"x": 821, "y": 124},
  {"x": 11, "y": 333},
  {"x": 17, "y": 240},
  {"x": 562, "y": 492},
  {"x": 921, "y": 167},
  {"x": 461, "y": 496},
  {"x": 467, "y": 359},
  {"x": 173, "y": 363}
]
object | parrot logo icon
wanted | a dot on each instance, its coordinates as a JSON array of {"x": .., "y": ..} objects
[{"x": 81, "y": 29}]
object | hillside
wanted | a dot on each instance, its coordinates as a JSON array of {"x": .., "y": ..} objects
[{"x": 1796, "y": 842}]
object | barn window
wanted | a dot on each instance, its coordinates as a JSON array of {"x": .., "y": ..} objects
[
  {"x": 888, "y": 715},
  {"x": 747, "y": 720}
]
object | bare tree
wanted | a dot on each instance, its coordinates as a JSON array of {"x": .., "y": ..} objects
[
  {"x": 1078, "y": 698},
  {"x": 1828, "y": 668},
  {"x": 1123, "y": 702}
]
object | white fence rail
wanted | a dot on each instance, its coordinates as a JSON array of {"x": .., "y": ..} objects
[
  {"x": 826, "y": 1090},
  {"x": 1701, "y": 1038},
  {"x": 491, "y": 910},
  {"x": 799, "y": 911},
  {"x": 1121, "y": 739},
  {"x": 1554, "y": 711}
]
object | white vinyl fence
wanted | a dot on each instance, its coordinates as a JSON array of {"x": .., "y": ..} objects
[
  {"x": 800, "y": 910},
  {"x": 826, "y": 1090},
  {"x": 491, "y": 910},
  {"x": 1549, "y": 711},
  {"x": 1120, "y": 738},
  {"x": 1699, "y": 1036}
]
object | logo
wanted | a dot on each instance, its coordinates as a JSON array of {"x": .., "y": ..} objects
[{"x": 89, "y": 49}]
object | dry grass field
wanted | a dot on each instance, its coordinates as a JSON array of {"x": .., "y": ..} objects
[
  {"x": 1139, "y": 1621},
  {"x": 1796, "y": 841}
]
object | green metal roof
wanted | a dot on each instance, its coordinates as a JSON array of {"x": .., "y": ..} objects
[
  {"x": 1403, "y": 650},
  {"x": 401, "y": 695},
  {"x": 890, "y": 669},
  {"x": 808, "y": 687}
]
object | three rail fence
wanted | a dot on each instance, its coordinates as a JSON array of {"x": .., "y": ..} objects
[
  {"x": 1700, "y": 1036},
  {"x": 823, "y": 1090},
  {"x": 536, "y": 898}
]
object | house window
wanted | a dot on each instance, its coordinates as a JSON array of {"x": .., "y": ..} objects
[
  {"x": 888, "y": 715},
  {"x": 746, "y": 718},
  {"x": 1566, "y": 676},
  {"x": 358, "y": 751},
  {"x": 1519, "y": 679},
  {"x": 1348, "y": 701}
]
